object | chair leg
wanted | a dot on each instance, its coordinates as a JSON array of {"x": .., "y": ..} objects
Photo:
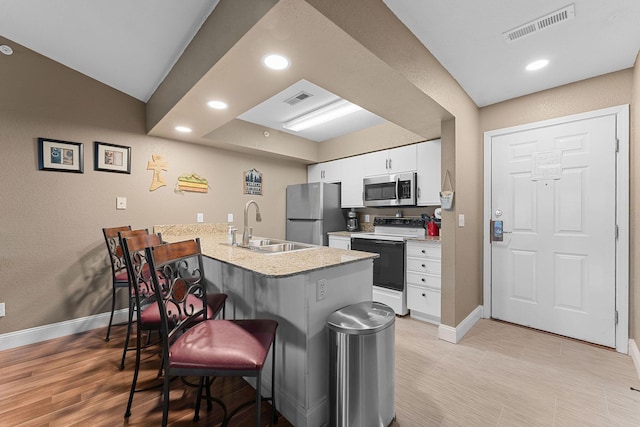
[
  {"x": 165, "y": 400},
  {"x": 258, "y": 398},
  {"x": 113, "y": 308},
  {"x": 126, "y": 340},
  {"x": 196, "y": 415},
  {"x": 135, "y": 372}
]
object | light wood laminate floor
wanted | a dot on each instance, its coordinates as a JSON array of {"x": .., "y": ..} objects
[
  {"x": 505, "y": 375},
  {"x": 498, "y": 375}
]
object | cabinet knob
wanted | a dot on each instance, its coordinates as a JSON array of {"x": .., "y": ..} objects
[
  {"x": 423, "y": 251},
  {"x": 424, "y": 266},
  {"x": 423, "y": 279},
  {"x": 424, "y": 295}
]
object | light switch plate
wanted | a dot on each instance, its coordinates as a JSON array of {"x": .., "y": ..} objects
[
  {"x": 460, "y": 220},
  {"x": 230, "y": 217},
  {"x": 121, "y": 203},
  {"x": 200, "y": 217},
  {"x": 2, "y": 309}
]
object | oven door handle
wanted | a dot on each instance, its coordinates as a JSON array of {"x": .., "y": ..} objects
[{"x": 389, "y": 242}]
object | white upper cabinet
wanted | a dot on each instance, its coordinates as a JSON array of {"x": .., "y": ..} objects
[
  {"x": 325, "y": 172},
  {"x": 423, "y": 158},
  {"x": 428, "y": 185},
  {"x": 395, "y": 160},
  {"x": 351, "y": 188}
]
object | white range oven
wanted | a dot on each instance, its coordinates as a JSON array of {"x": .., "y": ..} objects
[{"x": 388, "y": 240}]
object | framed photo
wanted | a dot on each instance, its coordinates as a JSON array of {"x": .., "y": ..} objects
[
  {"x": 112, "y": 158},
  {"x": 62, "y": 156}
]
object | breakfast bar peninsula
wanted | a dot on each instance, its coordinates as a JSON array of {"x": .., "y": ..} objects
[{"x": 299, "y": 288}]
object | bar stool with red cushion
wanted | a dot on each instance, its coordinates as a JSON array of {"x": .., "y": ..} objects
[
  {"x": 212, "y": 347},
  {"x": 148, "y": 313},
  {"x": 138, "y": 297},
  {"x": 119, "y": 278}
]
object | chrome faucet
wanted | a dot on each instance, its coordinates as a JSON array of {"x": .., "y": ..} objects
[{"x": 246, "y": 233}]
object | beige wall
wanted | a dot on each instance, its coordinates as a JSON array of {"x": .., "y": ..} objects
[
  {"x": 634, "y": 317},
  {"x": 592, "y": 94},
  {"x": 53, "y": 263}
]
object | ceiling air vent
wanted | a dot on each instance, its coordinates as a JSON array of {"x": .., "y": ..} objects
[
  {"x": 562, "y": 15},
  {"x": 298, "y": 98}
]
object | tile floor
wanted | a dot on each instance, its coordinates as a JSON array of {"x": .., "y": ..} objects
[{"x": 506, "y": 375}]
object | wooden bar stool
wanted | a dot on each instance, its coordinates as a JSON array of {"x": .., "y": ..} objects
[
  {"x": 212, "y": 347},
  {"x": 119, "y": 278}
]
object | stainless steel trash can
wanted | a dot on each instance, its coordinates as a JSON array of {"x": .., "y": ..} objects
[{"x": 361, "y": 365}]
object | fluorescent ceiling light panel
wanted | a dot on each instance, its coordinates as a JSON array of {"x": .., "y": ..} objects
[
  {"x": 183, "y": 129},
  {"x": 324, "y": 114}
]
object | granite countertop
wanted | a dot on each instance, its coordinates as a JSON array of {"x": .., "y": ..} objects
[{"x": 213, "y": 240}]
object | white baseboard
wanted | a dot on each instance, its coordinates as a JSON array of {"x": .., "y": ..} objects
[
  {"x": 454, "y": 335},
  {"x": 634, "y": 352},
  {"x": 60, "y": 329}
]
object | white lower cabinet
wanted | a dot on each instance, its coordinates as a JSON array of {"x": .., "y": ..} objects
[
  {"x": 340, "y": 242},
  {"x": 423, "y": 280}
]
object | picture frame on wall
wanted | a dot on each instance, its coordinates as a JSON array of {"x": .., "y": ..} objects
[
  {"x": 61, "y": 156},
  {"x": 112, "y": 158}
]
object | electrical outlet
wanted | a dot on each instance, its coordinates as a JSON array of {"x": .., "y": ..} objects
[
  {"x": 367, "y": 218},
  {"x": 1, "y": 309},
  {"x": 321, "y": 289},
  {"x": 121, "y": 203},
  {"x": 461, "y": 220},
  {"x": 230, "y": 217},
  {"x": 200, "y": 217}
]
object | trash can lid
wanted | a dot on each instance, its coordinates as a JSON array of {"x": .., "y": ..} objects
[{"x": 363, "y": 318}]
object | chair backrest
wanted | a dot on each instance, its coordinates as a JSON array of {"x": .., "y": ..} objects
[
  {"x": 182, "y": 285},
  {"x": 138, "y": 268},
  {"x": 113, "y": 246}
]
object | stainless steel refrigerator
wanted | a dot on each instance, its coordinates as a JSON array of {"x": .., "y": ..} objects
[{"x": 313, "y": 210}]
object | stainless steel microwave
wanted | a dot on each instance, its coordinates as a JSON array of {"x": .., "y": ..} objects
[{"x": 390, "y": 190}]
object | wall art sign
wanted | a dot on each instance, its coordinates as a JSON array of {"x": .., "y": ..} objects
[
  {"x": 193, "y": 182},
  {"x": 112, "y": 158},
  {"x": 61, "y": 156},
  {"x": 157, "y": 165},
  {"x": 252, "y": 182}
]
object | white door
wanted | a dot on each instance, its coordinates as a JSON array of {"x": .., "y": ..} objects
[{"x": 554, "y": 188}]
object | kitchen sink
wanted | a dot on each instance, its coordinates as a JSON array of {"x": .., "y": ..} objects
[
  {"x": 277, "y": 246},
  {"x": 274, "y": 246},
  {"x": 282, "y": 247}
]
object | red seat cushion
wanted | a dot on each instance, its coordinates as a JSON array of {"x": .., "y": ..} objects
[{"x": 224, "y": 345}]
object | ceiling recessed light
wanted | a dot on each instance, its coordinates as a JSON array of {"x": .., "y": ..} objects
[
  {"x": 536, "y": 65},
  {"x": 183, "y": 129},
  {"x": 6, "y": 49},
  {"x": 217, "y": 105},
  {"x": 275, "y": 61}
]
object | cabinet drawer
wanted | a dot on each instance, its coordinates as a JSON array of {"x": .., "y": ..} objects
[
  {"x": 430, "y": 266},
  {"x": 423, "y": 250},
  {"x": 424, "y": 300},
  {"x": 418, "y": 279}
]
